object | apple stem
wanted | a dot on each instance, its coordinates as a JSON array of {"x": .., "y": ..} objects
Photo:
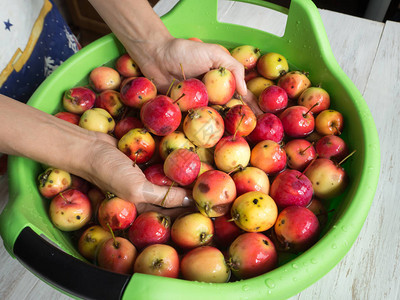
[
  {"x": 62, "y": 196},
  {"x": 311, "y": 108},
  {"x": 136, "y": 155},
  {"x": 337, "y": 130},
  {"x": 308, "y": 147},
  {"x": 165, "y": 196},
  {"x": 180, "y": 97},
  {"x": 241, "y": 99},
  {"x": 183, "y": 73},
  {"x": 237, "y": 128},
  {"x": 238, "y": 167},
  {"x": 305, "y": 170},
  {"x": 344, "y": 159},
  {"x": 170, "y": 87},
  {"x": 112, "y": 234}
]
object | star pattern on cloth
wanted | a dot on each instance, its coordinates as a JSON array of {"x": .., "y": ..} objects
[{"x": 8, "y": 25}]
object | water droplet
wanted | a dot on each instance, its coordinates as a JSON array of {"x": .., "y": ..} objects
[
  {"x": 294, "y": 278},
  {"x": 289, "y": 41},
  {"x": 295, "y": 266},
  {"x": 269, "y": 283},
  {"x": 304, "y": 46},
  {"x": 285, "y": 270},
  {"x": 334, "y": 246},
  {"x": 345, "y": 228},
  {"x": 345, "y": 243},
  {"x": 334, "y": 227},
  {"x": 269, "y": 292},
  {"x": 298, "y": 22},
  {"x": 314, "y": 261},
  {"x": 245, "y": 288}
]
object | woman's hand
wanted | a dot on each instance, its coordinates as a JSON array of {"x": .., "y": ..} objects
[{"x": 173, "y": 56}]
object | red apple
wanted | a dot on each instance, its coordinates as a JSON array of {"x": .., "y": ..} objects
[
  {"x": 297, "y": 121},
  {"x": 268, "y": 127},
  {"x": 135, "y": 91},
  {"x": 332, "y": 147},
  {"x": 161, "y": 115},
  {"x": 110, "y": 100},
  {"x": 150, "y": 228},
  {"x": 159, "y": 260},
  {"x": 291, "y": 187},
  {"x": 225, "y": 231},
  {"x": 182, "y": 166},
  {"x": 78, "y": 100},
  {"x": 155, "y": 174},
  {"x": 297, "y": 228},
  {"x": 116, "y": 213},
  {"x": 192, "y": 93},
  {"x": 104, "y": 78},
  {"x": 69, "y": 117},
  {"x": 273, "y": 99},
  {"x": 252, "y": 254},
  {"x": 117, "y": 255},
  {"x": 220, "y": 84},
  {"x": 300, "y": 153},
  {"x": 53, "y": 181},
  {"x": 213, "y": 193},
  {"x": 126, "y": 124},
  {"x": 240, "y": 120},
  {"x": 205, "y": 264},
  {"x": 70, "y": 210},
  {"x": 127, "y": 67}
]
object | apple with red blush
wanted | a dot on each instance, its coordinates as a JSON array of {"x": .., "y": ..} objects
[
  {"x": 191, "y": 230},
  {"x": 125, "y": 124},
  {"x": 110, "y": 100},
  {"x": 291, "y": 187},
  {"x": 127, "y": 67},
  {"x": 182, "y": 166},
  {"x": 150, "y": 228},
  {"x": 240, "y": 120},
  {"x": 300, "y": 153},
  {"x": 231, "y": 152},
  {"x": 213, "y": 192},
  {"x": 332, "y": 147},
  {"x": 155, "y": 174},
  {"x": 117, "y": 254},
  {"x": 158, "y": 260},
  {"x": 68, "y": 116},
  {"x": 70, "y": 210},
  {"x": 296, "y": 228},
  {"x": 52, "y": 181},
  {"x": 268, "y": 127},
  {"x": 273, "y": 99},
  {"x": 297, "y": 121},
  {"x": 138, "y": 144},
  {"x": 136, "y": 91},
  {"x": 189, "y": 93},
  {"x": 247, "y": 55},
  {"x": 116, "y": 213},
  {"x": 329, "y": 121},
  {"x": 205, "y": 264},
  {"x": 104, "y": 78},
  {"x": 250, "y": 179},
  {"x": 78, "y": 99},
  {"x": 161, "y": 115},
  {"x": 252, "y": 254},
  {"x": 294, "y": 83},
  {"x": 91, "y": 239},
  {"x": 172, "y": 141},
  {"x": 268, "y": 156},
  {"x": 315, "y": 98},
  {"x": 225, "y": 231}
]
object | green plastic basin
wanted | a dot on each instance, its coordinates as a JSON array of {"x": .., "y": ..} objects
[{"x": 306, "y": 47}]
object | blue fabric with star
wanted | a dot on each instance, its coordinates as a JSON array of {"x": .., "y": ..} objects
[{"x": 56, "y": 44}]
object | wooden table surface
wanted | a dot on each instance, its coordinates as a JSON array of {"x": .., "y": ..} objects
[{"x": 368, "y": 52}]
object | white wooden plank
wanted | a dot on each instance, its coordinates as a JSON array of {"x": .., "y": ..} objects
[{"x": 371, "y": 268}]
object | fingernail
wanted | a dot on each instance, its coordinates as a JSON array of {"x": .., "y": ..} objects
[{"x": 187, "y": 201}]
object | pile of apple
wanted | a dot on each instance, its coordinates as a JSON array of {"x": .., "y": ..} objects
[{"x": 261, "y": 177}]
